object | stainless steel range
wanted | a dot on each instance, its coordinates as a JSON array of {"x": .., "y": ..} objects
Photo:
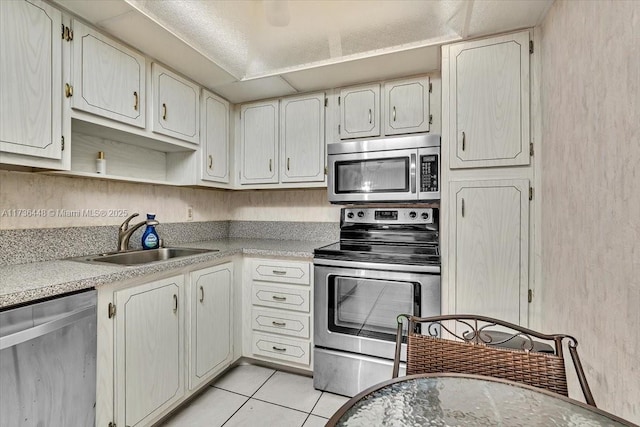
[{"x": 387, "y": 262}]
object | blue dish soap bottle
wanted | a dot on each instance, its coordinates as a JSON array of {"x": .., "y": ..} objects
[{"x": 150, "y": 238}]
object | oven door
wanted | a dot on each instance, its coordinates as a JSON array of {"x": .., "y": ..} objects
[
  {"x": 384, "y": 176},
  {"x": 355, "y": 309}
]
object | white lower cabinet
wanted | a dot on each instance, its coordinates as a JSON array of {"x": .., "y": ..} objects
[
  {"x": 149, "y": 350},
  {"x": 211, "y": 297},
  {"x": 279, "y": 325}
]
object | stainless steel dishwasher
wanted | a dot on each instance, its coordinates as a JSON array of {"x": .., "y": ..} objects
[{"x": 48, "y": 363}]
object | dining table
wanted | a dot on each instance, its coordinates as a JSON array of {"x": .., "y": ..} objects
[{"x": 448, "y": 399}]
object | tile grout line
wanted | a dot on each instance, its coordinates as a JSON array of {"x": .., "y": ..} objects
[
  {"x": 314, "y": 407},
  {"x": 248, "y": 399}
]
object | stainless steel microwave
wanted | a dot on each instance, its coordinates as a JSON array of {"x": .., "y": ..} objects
[{"x": 399, "y": 169}]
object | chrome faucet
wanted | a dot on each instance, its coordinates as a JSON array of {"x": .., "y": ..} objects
[{"x": 125, "y": 232}]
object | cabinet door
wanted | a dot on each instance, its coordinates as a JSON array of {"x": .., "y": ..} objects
[
  {"x": 489, "y": 248},
  {"x": 302, "y": 138},
  {"x": 489, "y": 102},
  {"x": 211, "y": 322},
  {"x": 176, "y": 105},
  {"x": 406, "y": 106},
  {"x": 360, "y": 111},
  {"x": 30, "y": 79},
  {"x": 215, "y": 138},
  {"x": 108, "y": 78},
  {"x": 149, "y": 349},
  {"x": 259, "y": 137}
]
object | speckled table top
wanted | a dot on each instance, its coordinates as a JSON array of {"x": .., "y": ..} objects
[{"x": 22, "y": 283}]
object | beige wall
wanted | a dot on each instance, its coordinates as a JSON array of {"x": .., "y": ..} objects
[
  {"x": 591, "y": 191},
  {"x": 53, "y": 194}
]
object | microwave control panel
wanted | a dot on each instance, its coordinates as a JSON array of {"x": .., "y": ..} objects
[{"x": 429, "y": 173}]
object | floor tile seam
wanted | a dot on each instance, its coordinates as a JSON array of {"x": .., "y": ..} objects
[
  {"x": 282, "y": 406},
  {"x": 237, "y": 410},
  {"x": 265, "y": 381},
  {"x": 316, "y": 404}
]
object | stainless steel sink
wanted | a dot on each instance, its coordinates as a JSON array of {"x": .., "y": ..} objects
[{"x": 131, "y": 258}]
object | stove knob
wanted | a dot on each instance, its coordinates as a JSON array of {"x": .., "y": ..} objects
[
  {"x": 350, "y": 215},
  {"x": 425, "y": 215},
  {"x": 412, "y": 215},
  {"x": 360, "y": 214}
]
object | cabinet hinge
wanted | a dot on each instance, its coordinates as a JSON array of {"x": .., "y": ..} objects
[
  {"x": 326, "y": 102},
  {"x": 430, "y": 87},
  {"x": 112, "y": 424},
  {"x": 338, "y": 100},
  {"x": 62, "y": 143},
  {"x": 430, "y": 119},
  {"x": 68, "y": 90},
  {"x": 111, "y": 310},
  {"x": 530, "y": 295},
  {"x": 338, "y": 129},
  {"x": 530, "y": 46},
  {"x": 531, "y": 148},
  {"x": 67, "y": 33},
  {"x": 530, "y": 193},
  {"x": 326, "y": 171}
]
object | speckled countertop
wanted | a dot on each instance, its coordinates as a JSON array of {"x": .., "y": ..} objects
[{"x": 21, "y": 283}]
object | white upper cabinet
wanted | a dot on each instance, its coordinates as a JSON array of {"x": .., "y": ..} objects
[
  {"x": 302, "y": 138},
  {"x": 360, "y": 111},
  {"x": 259, "y": 143},
  {"x": 175, "y": 105},
  {"x": 108, "y": 78},
  {"x": 215, "y": 138},
  {"x": 406, "y": 106},
  {"x": 489, "y": 248},
  {"x": 30, "y": 79},
  {"x": 489, "y": 102}
]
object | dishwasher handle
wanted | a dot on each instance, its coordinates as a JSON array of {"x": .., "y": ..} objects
[{"x": 45, "y": 328}]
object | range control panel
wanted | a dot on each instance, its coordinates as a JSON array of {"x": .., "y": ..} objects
[{"x": 388, "y": 216}]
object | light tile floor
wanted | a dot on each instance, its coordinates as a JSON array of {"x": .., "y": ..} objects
[{"x": 252, "y": 396}]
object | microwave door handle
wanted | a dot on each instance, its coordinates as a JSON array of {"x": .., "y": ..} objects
[{"x": 412, "y": 174}]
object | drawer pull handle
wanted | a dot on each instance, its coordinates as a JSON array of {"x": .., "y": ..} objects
[
  {"x": 135, "y": 104},
  {"x": 175, "y": 303},
  {"x": 278, "y": 324},
  {"x": 464, "y": 141},
  {"x": 280, "y": 272},
  {"x": 394, "y": 113},
  {"x": 369, "y": 115},
  {"x": 201, "y": 294},
  {"x": 278, "y": 298},
  {"x": 270, "y": 162},
  {"x": 210, "y": 161},
  {"x": 164, "y": 111},
  {"x": 278, "y": 348}
]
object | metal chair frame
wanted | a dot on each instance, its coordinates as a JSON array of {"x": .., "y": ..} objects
[{"x": 476, "y": 333}]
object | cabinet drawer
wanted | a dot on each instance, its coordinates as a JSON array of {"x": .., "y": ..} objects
[
  {"x": 280, "y": 297},
  {"x": 288, "y": 349},
  {"x": 281, "y": 271},
  {"x": 280, "y": 323}
]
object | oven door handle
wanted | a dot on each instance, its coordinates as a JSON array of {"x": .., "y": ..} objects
[{"x": 412, "y": 173}]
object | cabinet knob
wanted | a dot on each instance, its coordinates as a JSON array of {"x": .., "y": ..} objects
[{"x": 164, "y": 111}]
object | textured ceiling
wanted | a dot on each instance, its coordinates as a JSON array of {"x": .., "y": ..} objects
[
  {"x": 255, "y": 49},
  {"x": 240, "y": 36}
]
